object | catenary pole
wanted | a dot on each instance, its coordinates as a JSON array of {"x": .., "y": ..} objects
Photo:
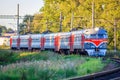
[
  {"x": 72, "y": 18},
  {"x": 18, "y": 29},
  {"x": 60, "y": 22},
  {"x": 93, "y": 14},
  {"x": 115, "y": 41}
]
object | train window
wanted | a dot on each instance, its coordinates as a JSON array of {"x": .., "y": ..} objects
[
  {"x": 35, "y": 40},
  {"x": 87, "y": 36},
  {"x": 52, "y": 38},
  {"x": 14, "y": 40},
  {"x": 93, "y": 36},
  {"x": 62, "y": 39},
  {"x": 24, "y": 40},
  {"x": 77, "y": 39},
  {"x": 105, "y": 36},
  {"x": 96, "y": 36},
  {"x": 100, "y": 36},
  {"x": 47, "y": 40},
  {"x": 67, "y": 39}
]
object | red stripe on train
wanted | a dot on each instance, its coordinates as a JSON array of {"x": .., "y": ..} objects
[
  {"x": 42, "y": 43},
  {"x": 18, "y": 43},
  {"x": 29, "y": 43},
  {"x": 96, "y": 41},
  {"x": 82, "y": 41},
  {"x": 71, "y": 42},
  {"x": 57, "y": 43},
  {"x": 10, "y": 42}
]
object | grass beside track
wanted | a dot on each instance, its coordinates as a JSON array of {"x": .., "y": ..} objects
[{"x": 45, "y": 65}]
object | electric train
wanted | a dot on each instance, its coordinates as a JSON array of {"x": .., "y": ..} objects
[{"x": 92, "y": 42}]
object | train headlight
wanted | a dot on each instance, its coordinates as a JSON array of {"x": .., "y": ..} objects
[{"x": 96, "y": 29}]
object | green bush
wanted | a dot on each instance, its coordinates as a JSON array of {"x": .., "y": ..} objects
[
  {"x": 90, "y": 66},
  {"x": 45, "y": 65},
  {"x": 50, "y": 69},
  {"x": 7, "y": 56}
]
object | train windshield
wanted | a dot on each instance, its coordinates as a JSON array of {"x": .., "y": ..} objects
[
  {"x": 102, "y": 36},
  {"x": 98, "y": 36}
]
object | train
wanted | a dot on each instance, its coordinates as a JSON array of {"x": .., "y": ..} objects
[{"x": 92, "y": 42}]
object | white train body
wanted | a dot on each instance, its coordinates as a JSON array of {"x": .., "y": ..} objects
[
  {"x": 88, "y": 41},
  {"x": 24, "y": 41},
  {"x": 14, "y": 41},
  {"x": 36, "y": 39},
  {"x": 49, "y": 41}
]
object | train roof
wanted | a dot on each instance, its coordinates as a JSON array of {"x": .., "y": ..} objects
[
  {"x": 95, "y": 31},
  {"x": 84, "y": 31}
]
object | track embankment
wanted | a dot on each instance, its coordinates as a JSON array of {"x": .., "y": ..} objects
[{"x": 104, "y": 75}]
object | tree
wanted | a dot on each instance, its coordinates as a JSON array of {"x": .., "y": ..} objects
[
  {"x": 106, "y": 11},
  {"x": 3, "y": 29},
  {"x": 10, "y": 30},
  {"x": 26, "y": 25},
  {"x": 39, "y": 23}
]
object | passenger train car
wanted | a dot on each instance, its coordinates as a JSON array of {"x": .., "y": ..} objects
[{"x": 87, "y": 41}]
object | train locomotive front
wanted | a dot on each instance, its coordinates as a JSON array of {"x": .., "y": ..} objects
[{"x": 95, "y": 42}]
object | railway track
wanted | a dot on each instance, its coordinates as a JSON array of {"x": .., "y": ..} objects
[{"x": 113, "y": 74}]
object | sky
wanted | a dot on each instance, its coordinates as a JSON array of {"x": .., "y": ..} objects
[{"x": 9, "y": 7}]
